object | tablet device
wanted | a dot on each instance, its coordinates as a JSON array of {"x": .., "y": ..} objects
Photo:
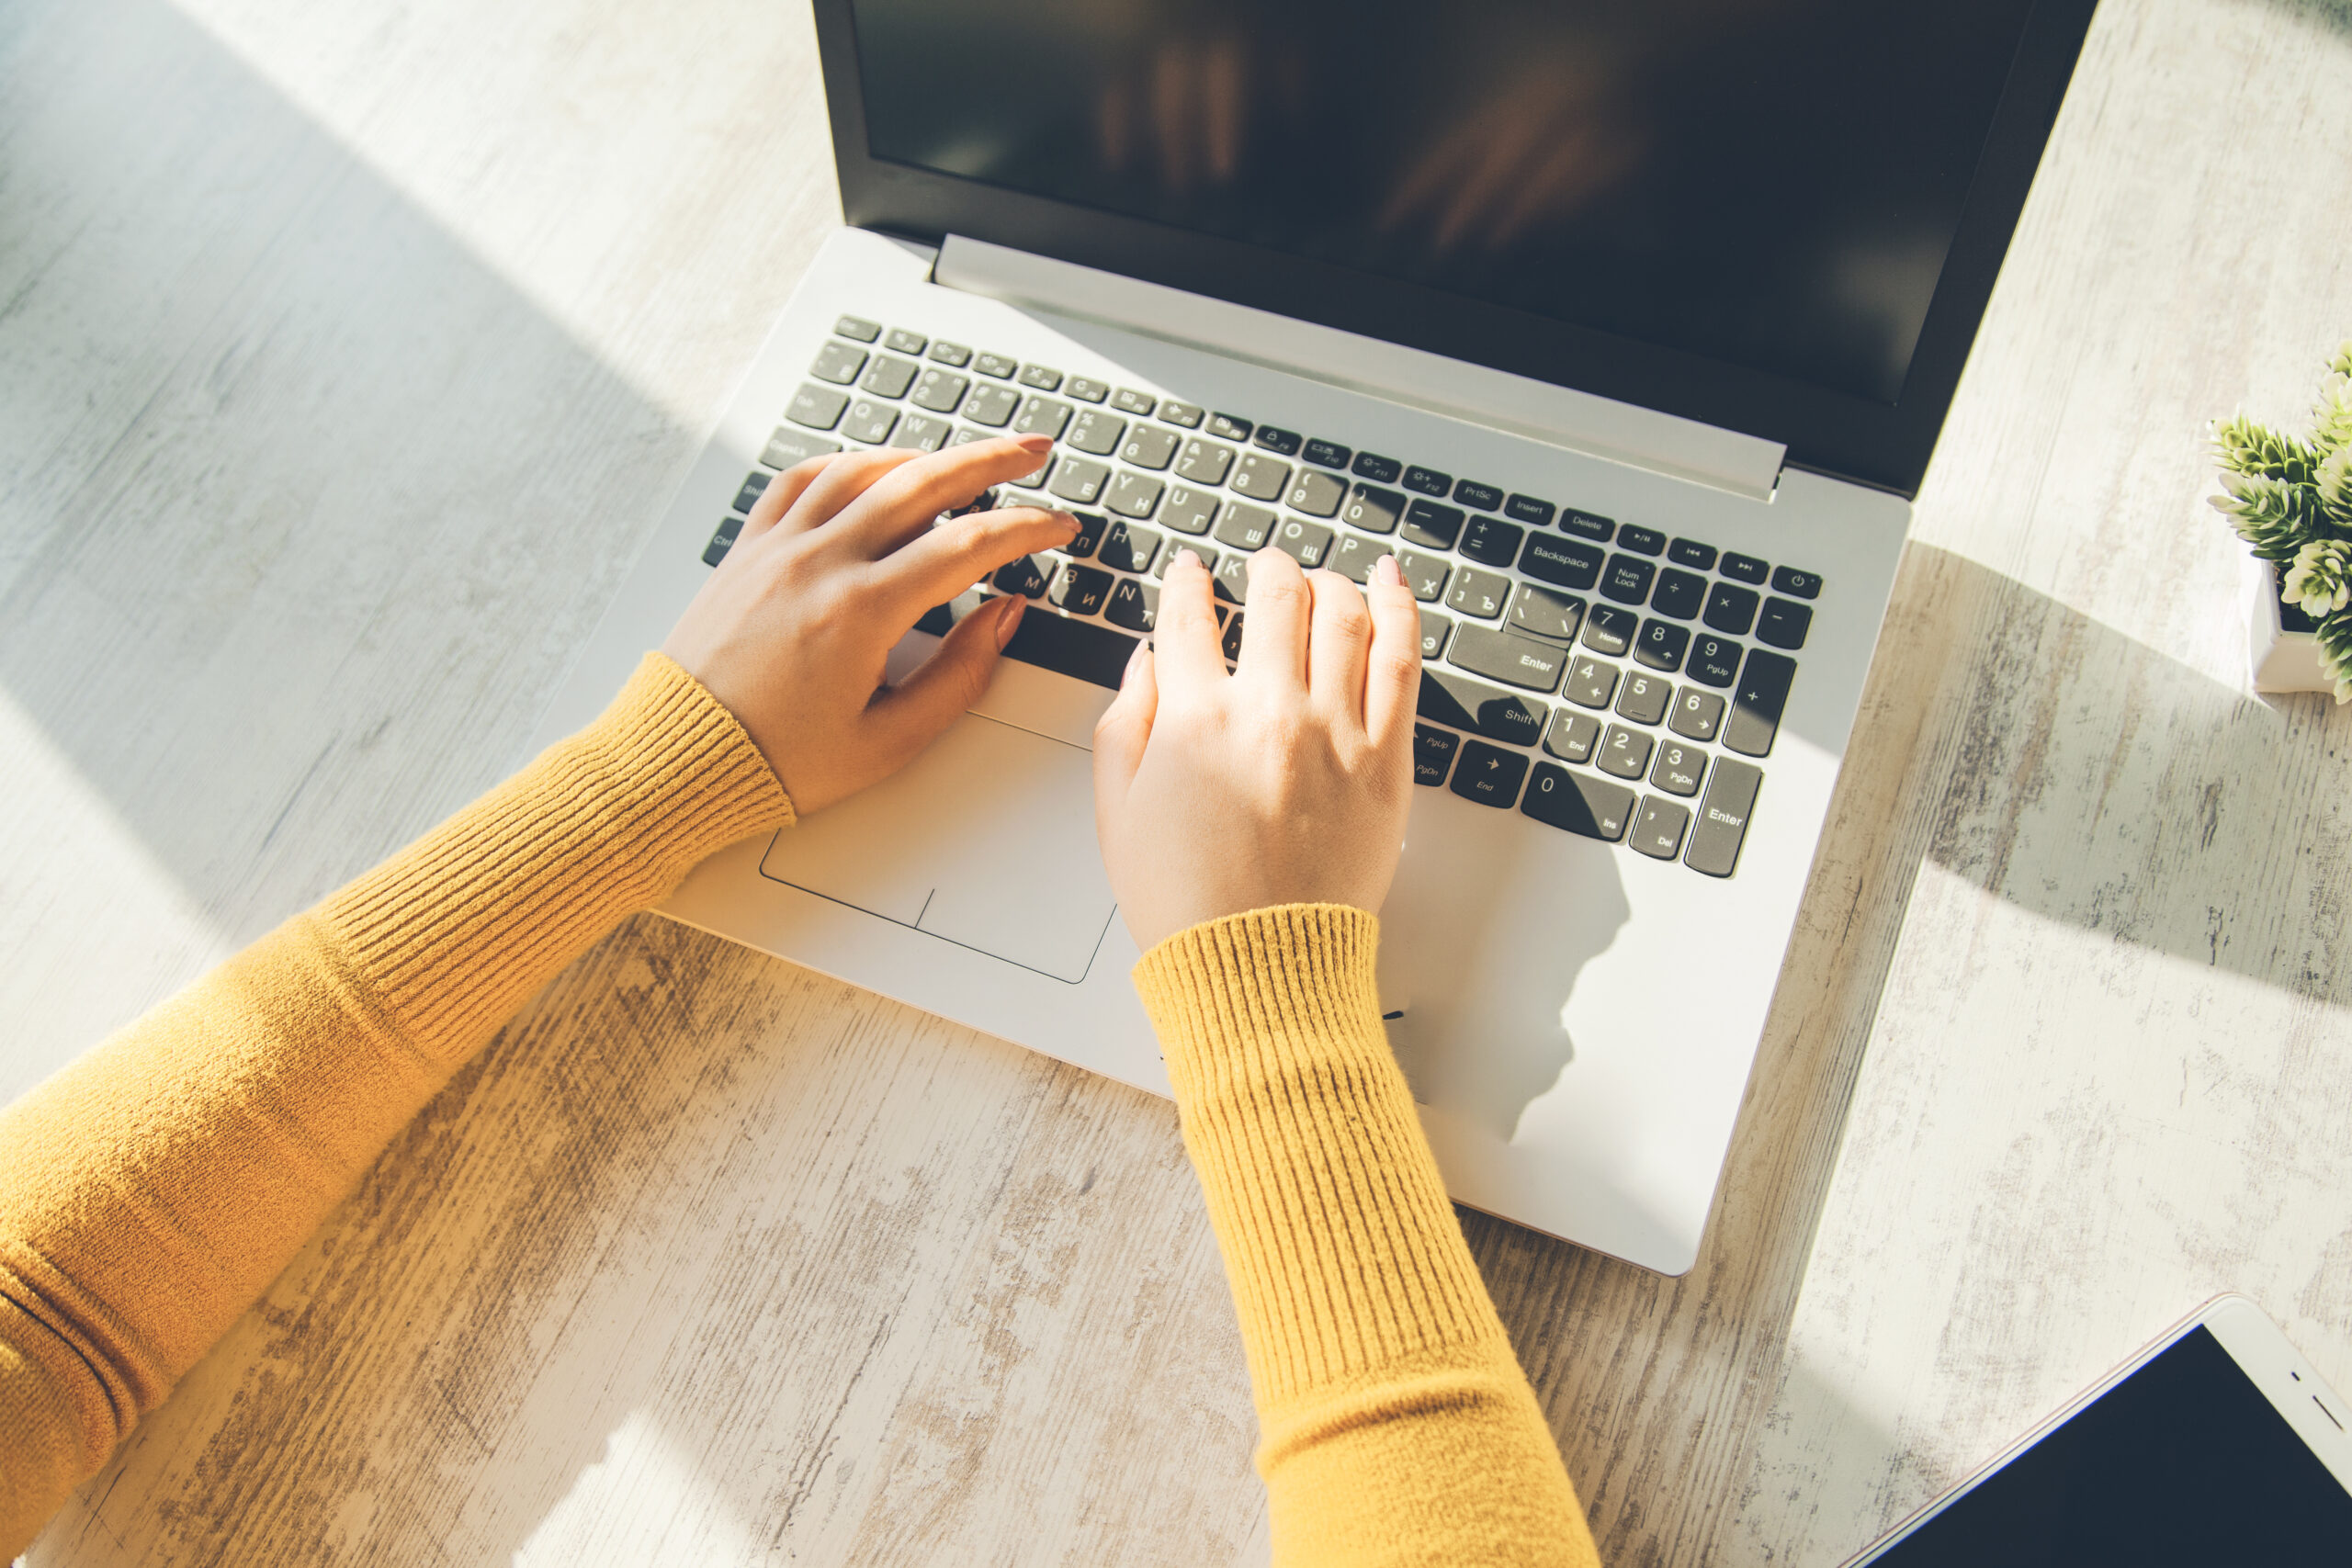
[{"x": 2218, "y": 1444}]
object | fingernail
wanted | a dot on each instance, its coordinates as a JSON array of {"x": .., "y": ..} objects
[
  {"x": 1067, "y": 520},
  {"x": 1034, "y": 443},
  {"x": 1006, "y": 620},
  {"x": 1134, "y": 659},
  {"x": 1386, "y": 570}
]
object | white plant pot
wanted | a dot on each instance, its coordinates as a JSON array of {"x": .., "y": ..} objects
[{"x": 2283, "y": 654}]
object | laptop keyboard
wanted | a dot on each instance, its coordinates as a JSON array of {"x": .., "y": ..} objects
[{"x": 1605, "y": 678}]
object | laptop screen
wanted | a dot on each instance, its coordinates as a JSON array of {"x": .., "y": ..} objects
[{"x": 1771, "y": 183}]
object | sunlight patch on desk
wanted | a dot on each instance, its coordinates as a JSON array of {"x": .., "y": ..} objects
[{"x": 644, "y": 1502}]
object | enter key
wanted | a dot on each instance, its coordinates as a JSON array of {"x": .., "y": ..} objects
[
  {"x": 1722, "y": 826},
  {"x": 1515, "y": 661}
]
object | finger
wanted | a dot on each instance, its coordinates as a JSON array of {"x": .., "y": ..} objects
[
  {"x": 844, "y": 477},
  {"x": 1184, "y": 631},
  {"x": 1339, "y": 640},
  {"x": 783, "y": 491},
  {"x": 1274, "y": 648},
  {"x": 905, "y": 501},
  {"x": 1122, "y": 732},
  {"x": 1393, "y": 664},
  {"x": 910, "y": 715},
  {"x": 962, "y": 550}
]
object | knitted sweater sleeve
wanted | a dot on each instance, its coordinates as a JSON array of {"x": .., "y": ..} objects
[
  {"x": 151, "y": 1191},
  {"x": 1396, "y": 1426}
]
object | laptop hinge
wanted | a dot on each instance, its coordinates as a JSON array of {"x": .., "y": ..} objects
[{"x": 1518, "y": 405}]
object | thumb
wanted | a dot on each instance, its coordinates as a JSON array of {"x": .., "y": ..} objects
[
  {"x": 1124, "y": 729},
  {"x": 910, "y": 715}
]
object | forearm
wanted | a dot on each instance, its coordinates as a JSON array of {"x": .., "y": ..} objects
[
  {"x": 151, "y": 1190},
  {"x": 1396, "y": 1426}
]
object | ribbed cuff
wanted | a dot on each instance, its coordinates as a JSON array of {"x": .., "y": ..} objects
[
  {"x": 457, "y": 931},
  {"x": 1340, "y": 1242}
]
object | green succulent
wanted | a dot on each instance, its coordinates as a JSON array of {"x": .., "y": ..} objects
[{"x": 2290, "y": 499}]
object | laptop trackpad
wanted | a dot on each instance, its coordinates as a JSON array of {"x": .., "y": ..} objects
[{"x": 986, "y": 841}]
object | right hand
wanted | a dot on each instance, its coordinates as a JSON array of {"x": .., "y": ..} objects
[{"x": 1286, "y": 782}]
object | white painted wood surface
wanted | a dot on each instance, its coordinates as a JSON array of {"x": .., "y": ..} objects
[{"x": 345, "y": 352}]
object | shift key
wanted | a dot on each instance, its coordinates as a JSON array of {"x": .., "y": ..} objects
[
  {"x": 1514, "y": 660},
  {"x": 1722, "y": 826}
]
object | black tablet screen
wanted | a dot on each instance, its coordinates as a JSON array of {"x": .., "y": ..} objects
[{"x": 2183, "y": 1462}]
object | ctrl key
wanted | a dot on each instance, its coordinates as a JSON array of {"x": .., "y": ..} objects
[
  {"x": 1722, "y": 826},
  {"x": 1432, "y": 754}
]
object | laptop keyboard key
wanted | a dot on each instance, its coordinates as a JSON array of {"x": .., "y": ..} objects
[
  {"x": 1715, "y": 661},
  {"x": 992, "y": 406},
  {"x": 1425, "y": 575},
  {"x": 1491, "y": 542},
  {"x": 859, "y": 328},
  {"x": 1578, "y": 803},
  {"x": 1372, "y": 509},
  {"x": 1731, "y": 609},
  {"x": 904, "y": 342},
  {"x": 1783, "y": 624},
  {"x": 1743, "y": 569},
  {"x": 1286, "y": 442},
  {"x": 996, "y": 365},
  {"x": 722, "y": 541},
  {"x": 754, "y": 485},
  {"x": 1229, "y": 427},
  {"x": 1178, "y": 413},
  {"x": 1657, "y": 830},
  {"x": 1042, "y": 377},
  {"x": 1354, "y": 557},
  {"x": 1378, "y": 470},
  {"x": 1797, "y": 584},
  {"x": 1479, "y": 593},
  {"x": 839, "y": 363},
  {"x": 1624, "y": 752},
  {"x": 1260, "y": 478},
  {"x": 951, "y": 354},
  {"x": 920, "y": 433},
  {"x": 1527, "y": 509},
  {"x": 1426, "y": 522},
  {"x": 1540, "y": 612},
  {"x": 1435, "y": 628},
  {"x": 940, "y": 390},
  {"x": 1591, "y": 683},
  {"x": 1627, "y": 580},
  {"x": 888, "y": 377},
  {"x": 1586, "y": 526},
  {"x": 819, "y": 408},
  {"x": 1326, "y": 453},
  {"x": 1514, "y": 660},
  {"x": 1080, "y": 481},
  {"x": 1572, "y": 736},
  {"x": 1129, "y": 548},
  {"x": 1722, "y": 818},
  {"x": 1026, "y": 576},
  {"x": 1096, "y": 432},
  {"x": 1609, "y": 630},
  {"x": 1678, "y": 769},
  {"x": 1081, "y": 589},
  {"x": 1089, "y": 536},
  {"x": 1644, "y": 698},
  {"x": 1188, "y": 510},
  {"x": 1304, "y": 543},
  {"x": 1457, "y": 701},
  {"x": 1085, "y": 390},
  {"x": 1678, "y": 594},
  {"x": 1205, "y": 462},
  {"x": 1148, "y": 446},
  {"x": 1042, "y": 417},
  {"x": 1488, "y": 775},
  {"x": 1647, "y": 541},
  {"x": 1429, "y": 481},
  {"x": 1662, "y": 645},
  {"x": 1697, "y": 714},
  {"x": 1482, "y": 497},
  {"x": 1317, "y": 494},
  {"x": 1079, "y": 648},
  {"x": 869, "y": 421},
  {"x": 1245, "y": 528},
  {"x": 1434, "y": 754},
  {"x": 1201, "y": 553},
  {"x": 788, "y": 447},
  {"x": 1231, "y": 580},
  {"x": 1132, "y": 605},
  {"x": 1231, "y": 642},
  {"x": 1563, "y": 563},
  {"x": 1133, "y": 495},
  {"x": 1757, "y": 705},
  {"x": 1126, "y": 399},
  {"x": 1692, "y": 554}
]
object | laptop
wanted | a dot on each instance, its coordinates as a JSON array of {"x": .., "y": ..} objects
[{"x": 1628, "y": 331}]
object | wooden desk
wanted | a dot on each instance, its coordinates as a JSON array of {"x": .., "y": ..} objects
[{"x": 348, "y": 351}]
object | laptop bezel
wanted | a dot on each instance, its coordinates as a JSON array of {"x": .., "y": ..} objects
[{"x": 1845, "y": 437}]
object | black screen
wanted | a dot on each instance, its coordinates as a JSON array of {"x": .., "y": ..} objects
[
  {"x": 2185, "y": 1463},
  {"x": 1773, "y": 183}
]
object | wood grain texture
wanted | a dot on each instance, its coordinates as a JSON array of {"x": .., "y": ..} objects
[{"x": 349, "y": 350}]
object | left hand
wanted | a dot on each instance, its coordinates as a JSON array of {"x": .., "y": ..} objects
[{"x": 832, "y": 567}]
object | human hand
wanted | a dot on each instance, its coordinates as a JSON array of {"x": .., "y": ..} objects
[
  {"x": 1285, "y": 782},
  {"x": 832, "y": 567}
]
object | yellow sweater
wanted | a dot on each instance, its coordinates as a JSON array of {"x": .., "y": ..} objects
[{"x": 151, "y": 1191}]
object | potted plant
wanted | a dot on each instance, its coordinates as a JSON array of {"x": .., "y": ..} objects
[{"x": 2290, "y": 499}]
